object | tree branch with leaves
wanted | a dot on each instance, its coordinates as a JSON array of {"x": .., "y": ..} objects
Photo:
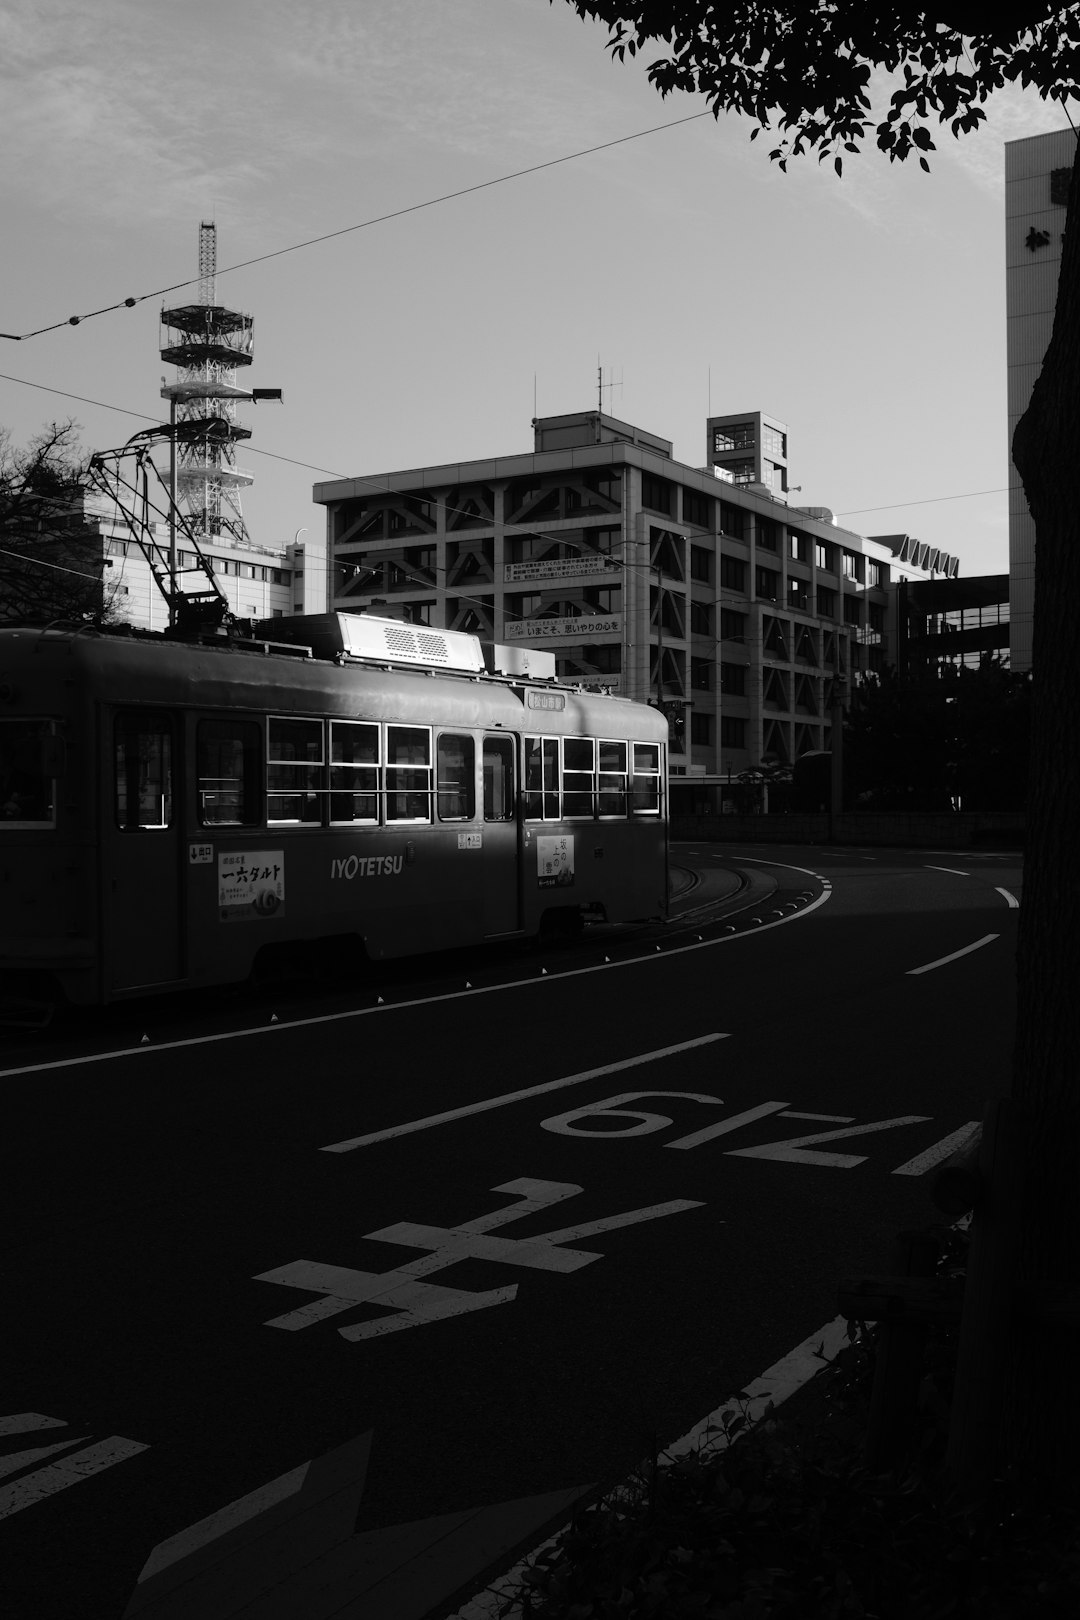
[{"x": 808, "y": 67}]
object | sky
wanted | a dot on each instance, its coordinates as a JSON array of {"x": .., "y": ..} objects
[{"x": 865, "y": 312}]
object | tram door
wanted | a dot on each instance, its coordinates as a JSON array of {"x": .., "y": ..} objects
[
  {"x": 140, "y": 851},
  {"x": 502, "y": 913}
]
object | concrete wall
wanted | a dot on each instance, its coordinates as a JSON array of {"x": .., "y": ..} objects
[{"x": 991, "y": 829}]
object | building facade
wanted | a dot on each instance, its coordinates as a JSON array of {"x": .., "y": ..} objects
[
  {"x": 743, "y": 617},
  {"x": 259, "y": 582},
  {"x": 1037, "y": 173}
]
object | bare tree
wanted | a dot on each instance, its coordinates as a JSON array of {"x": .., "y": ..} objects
[{"x": 51, "y": 563}]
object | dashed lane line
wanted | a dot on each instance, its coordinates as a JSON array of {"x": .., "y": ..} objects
[{"x": 953, "y": 956}]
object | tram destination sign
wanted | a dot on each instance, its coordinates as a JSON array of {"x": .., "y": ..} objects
[
  {"x": 558, "y": 568},
  {"x": 580, "y": 629}
]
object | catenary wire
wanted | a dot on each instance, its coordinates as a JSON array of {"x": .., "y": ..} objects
[
  {"x": 387, "y": 489},
  {"x": 346, "y": 230}
]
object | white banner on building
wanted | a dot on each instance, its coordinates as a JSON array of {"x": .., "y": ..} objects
[
  {"x": 558, "y": 568},
  {"x": 577, "y": 629}
]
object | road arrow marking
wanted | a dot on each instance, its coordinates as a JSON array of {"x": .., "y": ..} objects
[
  {"x": 55, "y": 1476},
  {"x": 289, "y": 1549}
]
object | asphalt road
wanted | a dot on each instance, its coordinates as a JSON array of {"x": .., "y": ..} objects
[{"x": 226, "y": 1260}]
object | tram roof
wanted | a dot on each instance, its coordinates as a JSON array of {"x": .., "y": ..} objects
[{"x": 155, "y": 671}]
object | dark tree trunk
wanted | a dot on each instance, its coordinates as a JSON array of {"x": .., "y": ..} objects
[{"x": 1039, "y": 1415}]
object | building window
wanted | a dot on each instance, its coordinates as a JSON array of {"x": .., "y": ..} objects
[
  {"x": 768, "y": 535},
  {"x": 732, "y": 732},
  {"x": 852, "y": 610},
  {"x": 773, "y": 442},
  {"x": 826, "y": 602},
  {"x": 852, "y": 565},
  {"x": 799, "y": 546},
  {"x": 798, "y": 595},
  {"x": 732, "y": 574},
  {"x": 732, "y": 625},
  {"x": 743, "y": 471},
  {"x": 697, "y": 508},
  {"x": 701, "y": 674},
  {"x": 701, "y": 729},
  {"x": 733, "y": 680},
  {"x": 825, "y": 555},
  {"x": 701, "y": 564},
  {"x": 701, "y": 619},
  {"x": 656, "y": 493},
  {"x": 767, "y": 584},
  {"x": 873, "y": 575},
  {"x": 732, "y": 520},
  {"x": 736, "y": 436},
  {"x": 877, "y": 617}
]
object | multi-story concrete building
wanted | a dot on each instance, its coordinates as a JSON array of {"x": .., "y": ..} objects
[
  {"x": 260, "y": 582},
  {"x": 1037, "y": 172},
  {"x": 696, "y": 588}
]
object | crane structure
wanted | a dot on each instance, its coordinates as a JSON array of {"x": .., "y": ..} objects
[{"x": 208, "y": 344}]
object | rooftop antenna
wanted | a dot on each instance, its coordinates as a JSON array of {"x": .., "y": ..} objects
[{"x": 601, "y": 384}]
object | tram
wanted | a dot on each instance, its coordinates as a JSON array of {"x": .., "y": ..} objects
[{"x": 177, "y": 814}]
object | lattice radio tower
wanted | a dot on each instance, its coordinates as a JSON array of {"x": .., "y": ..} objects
[{"x": 207, "y": 344}]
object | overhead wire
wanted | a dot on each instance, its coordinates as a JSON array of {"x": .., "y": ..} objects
[{"x": 362, "y": 225}]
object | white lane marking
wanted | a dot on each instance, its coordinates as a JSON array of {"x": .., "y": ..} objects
[
  {"x": 515, "y": 1096},
  {"x": 827, "y": 1119},
  {"x": 775, "y": 1385},
  {"x": 779, "y": 1381},
  {"x": 1010, "y": 899},
  {"x": 927, "y": 967},
  {"x": 151, "y": 1048},
  {"x": 28, "y": 1423},
  {"x": 57, "y": 1476},
  {"x": 955, "y": 870},
  {"x": 922, "y": 1162},
  {"x": 793, "y": 1149},
  {"x": 23, "y": 1459},
  {"x": 420, "y": 1303}
]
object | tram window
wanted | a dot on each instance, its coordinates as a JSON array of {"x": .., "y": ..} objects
[
  {"x": 542, "y": 778},
  {"x": 498, "y": 778},
  {"x": 27, "y": 782},
  {"x": 579, "y": 761},
  {"x": 227, "y": 752},
  {"x": 646, "y": 791},
  {"x": 612, "y": 778},
  {"x": 354, "y": 771},
  {"x": 408, "y": 773},
  {"x": 294, "y": 770},
  {"x": 144, "y": 789},
  {"x": 455, "y": 772}
]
